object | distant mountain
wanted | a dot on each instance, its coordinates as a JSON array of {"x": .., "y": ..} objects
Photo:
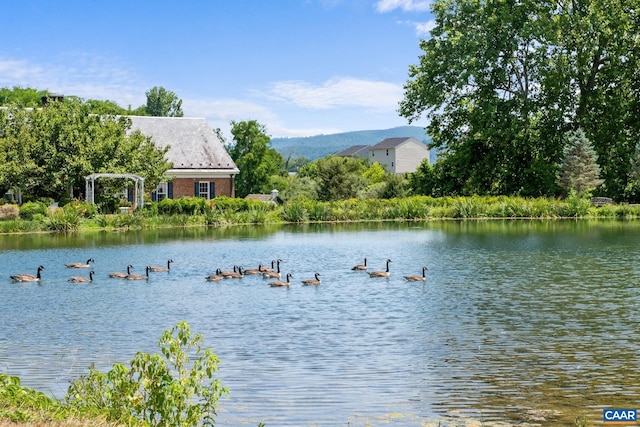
[{"x": 314, "y": 147}]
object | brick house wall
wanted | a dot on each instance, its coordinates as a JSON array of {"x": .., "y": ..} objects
[{"x": 184, "y": 187}]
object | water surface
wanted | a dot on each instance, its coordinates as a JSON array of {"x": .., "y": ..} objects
[{"x": 517, "y": 321}]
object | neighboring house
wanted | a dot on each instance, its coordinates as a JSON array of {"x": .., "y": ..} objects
[
  {"x": 202, "y": 167},
  {"x": 399, "y": 155},
  {"x": 354, "y": 151}
]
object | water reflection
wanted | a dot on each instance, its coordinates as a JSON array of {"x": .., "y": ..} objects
[{"x": 518, "y": 321}]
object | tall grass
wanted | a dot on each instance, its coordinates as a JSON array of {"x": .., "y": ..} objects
[{"x": 226, "y": 211}]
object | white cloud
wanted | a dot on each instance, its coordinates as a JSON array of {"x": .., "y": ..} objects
[
  {"x": 384, "y": 6},
  {"x": 424, "y": 28},
  {"x": 339, "y": 92},
  {"x": 76, "y": 74}
]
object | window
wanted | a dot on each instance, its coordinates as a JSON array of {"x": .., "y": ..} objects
[
  {"x": 161, "y": 191},
  {"x": 203, "y": 189},
  {"x": 387, "y": 152}
]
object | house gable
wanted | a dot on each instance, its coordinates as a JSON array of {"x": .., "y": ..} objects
[
  {"x": 197, "y": 154},
  {"x": 399, "y": 155}
]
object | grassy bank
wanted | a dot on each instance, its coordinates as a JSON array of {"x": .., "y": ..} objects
[{"x": 224, "y": 211}]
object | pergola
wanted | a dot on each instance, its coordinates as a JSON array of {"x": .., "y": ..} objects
[{"x": 138, "y": 187}]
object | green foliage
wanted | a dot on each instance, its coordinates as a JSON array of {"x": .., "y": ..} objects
[
  {"x": 21, "y": 97},
  {"x": 82, "y": 208},
  {"x": 396, "y": 187},
  {"x": 339, "y": 178},
  {"x": 183, "y": 205},
  {"x": 252, "y": 153},
  {"x": 174, "y": 388},
  {"x": 21, "y": 404},
  {"x": 423, "y": 180},
  {"x": 48, "y": 152},
  {"x": 29, "y": 209},
  {"x": 500, "y": 84},
  {"x": 63, "y": 219},
  {"x": 226, "y": 203},
  {"x": 163, "y": 103},
  {"x": 579, "y": 170}
]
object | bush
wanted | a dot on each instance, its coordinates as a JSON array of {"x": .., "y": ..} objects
[
  {"x": 63, "y": 219},
  {"x": 29, "y": 209},
  {"x": 84, "y": 209},
  {"x": 9, "y": 211},
  {"x": 168, "y": 389}
]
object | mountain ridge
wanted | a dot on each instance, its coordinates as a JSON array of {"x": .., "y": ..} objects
[{"x": 318, "y": 146}]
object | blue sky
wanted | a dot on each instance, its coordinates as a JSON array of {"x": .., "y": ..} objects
[{"x": 299, "y": 67}]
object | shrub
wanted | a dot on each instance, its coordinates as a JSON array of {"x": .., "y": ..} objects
[
  {"x": 295, "y": 212},
  {"x": 169, "y": 207},
  {"x": 84, "y": 209},
  {"x": 63, "y": 220},
  {"x": 29, "y": 209},
  {"x": 9, "y": 211},
  {"x": 168, "y": 389}
]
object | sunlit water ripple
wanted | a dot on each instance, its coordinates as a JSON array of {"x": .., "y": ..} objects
[{"x": 517, "y": 321}]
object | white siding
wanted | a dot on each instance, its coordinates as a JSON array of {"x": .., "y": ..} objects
[{"x": 404, "y": 158}]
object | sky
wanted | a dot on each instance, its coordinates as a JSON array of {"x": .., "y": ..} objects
[{"x": 298, "y": 67}]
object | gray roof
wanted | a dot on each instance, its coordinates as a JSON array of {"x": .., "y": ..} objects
[
  {"x": 393, "y": 143},
  {"x": 351, "y": 151},
  {"x": 193, "y": 144}
]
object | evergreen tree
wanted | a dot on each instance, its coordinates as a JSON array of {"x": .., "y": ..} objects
[{"x": 579, "y": 170}]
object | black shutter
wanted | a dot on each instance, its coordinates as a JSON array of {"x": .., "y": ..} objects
[
  {"x": 212, "y": 189},
  {"x": 154, "y": 196},
  {"x": 170, "y": 190},
  {"x": 196, "y": 187}
]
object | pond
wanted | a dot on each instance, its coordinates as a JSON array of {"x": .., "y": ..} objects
[{"x": 517, "y": 322}]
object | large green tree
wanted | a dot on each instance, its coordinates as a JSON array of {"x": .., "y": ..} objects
[
  {"x": 252, "y": 153},
  {"x": 502, "y": 81},
  {"x": 163, "y": 103},
  {"x": 336, "y": 178},
  {"x": 47, "y": 152}
]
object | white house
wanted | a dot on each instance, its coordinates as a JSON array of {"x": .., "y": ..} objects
[{"x": 399, "y": 155}]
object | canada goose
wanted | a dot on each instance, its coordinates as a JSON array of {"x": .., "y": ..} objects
[
  {"x": 280, "y": 283},
  {"x": 28, "y": 277},
  {"x": 273, "y": 274},
  {"x": 214, "y": 277},
  {"x": 159, "y": 268},
  {"x": 79, "y": 264},
  {"x": 258, "y": 270},
  {"x": 120, "y": 275},
  {"x": 233, "y": 274},
  {"x": 229, "y": 272},
  {"x": 315, "y": 281},
  {"x": 273, "y": 266},
  {"x": 138, "y": 276},
  {"x": 360, "y": 266},
  {"x": 81, "y": 279},
  {"x": 415, "y": 277},
  {"x": 381, "y": 273}
]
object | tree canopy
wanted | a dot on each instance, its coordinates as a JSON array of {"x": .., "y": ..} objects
[
  {"x": 252, "y": 153},
  {"x": 163, "y": 103},
  {"x": 501, "y": 82},
  {"x": 47, "y": 152}
]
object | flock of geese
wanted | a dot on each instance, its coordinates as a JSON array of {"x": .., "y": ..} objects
[{"x": 238, "y": 272}]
